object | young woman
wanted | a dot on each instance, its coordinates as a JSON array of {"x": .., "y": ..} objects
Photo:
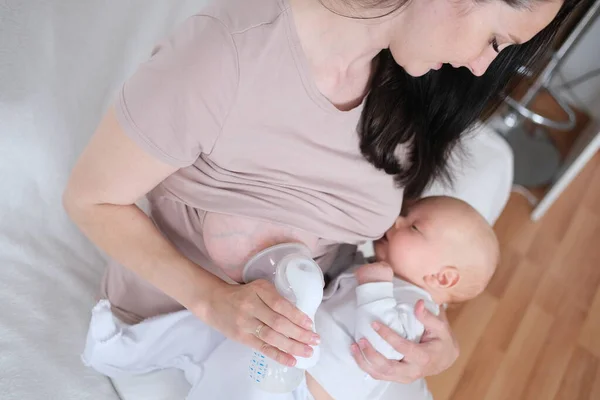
[{"x": 267, "y": 121}]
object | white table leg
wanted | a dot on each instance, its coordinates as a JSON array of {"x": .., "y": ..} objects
[{"x": 583, "y": 150}]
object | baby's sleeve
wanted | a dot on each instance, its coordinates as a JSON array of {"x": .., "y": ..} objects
[
  {"x": 378, "y": 301},
  {"x": 176, "y": 103}
]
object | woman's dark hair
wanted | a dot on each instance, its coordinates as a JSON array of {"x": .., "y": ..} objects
[{"x": 430, "y": 114}]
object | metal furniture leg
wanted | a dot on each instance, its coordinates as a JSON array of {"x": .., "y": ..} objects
[{"x": 536, "y": 158}]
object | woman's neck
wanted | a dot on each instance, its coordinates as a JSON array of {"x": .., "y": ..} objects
[{"x": 337, "y": 43}]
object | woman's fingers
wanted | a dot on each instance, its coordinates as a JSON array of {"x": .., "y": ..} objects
[
  {"x": 436, "y": 352},
  {"x": 363, "y": 363},
  {"x": 280, "y": 305},
  {"x": 438, "y": 340},
  {"x": 432, "y": 323},
  {"x": 280, "y": 324},
  {"x": 272, "y": 337},
  {"x": 379, "y": 367},
  {"x": 273, "y": 313},
  {"x": 256, "y": 315},
  {"x": 377, "y": 361},
  {"x": 412, "y": 351},
  {"x": 272, "y": 352}
]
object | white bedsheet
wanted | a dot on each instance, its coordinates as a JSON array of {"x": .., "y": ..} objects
[{"x": 61, "y": 63}]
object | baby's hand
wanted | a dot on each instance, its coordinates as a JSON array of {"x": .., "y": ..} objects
[{"x": 376, "y": 272}]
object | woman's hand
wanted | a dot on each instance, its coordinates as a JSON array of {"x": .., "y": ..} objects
[
  {"x": 437, "y": 351},
  {"x": 256, "y": 315}
]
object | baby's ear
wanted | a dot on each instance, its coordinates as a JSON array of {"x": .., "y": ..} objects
[{"x": 448, "y": 277}]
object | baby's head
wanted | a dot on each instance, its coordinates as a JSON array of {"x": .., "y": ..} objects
[{"x": 443, "y": 245}]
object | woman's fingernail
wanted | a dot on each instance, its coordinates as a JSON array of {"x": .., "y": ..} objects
[
  {"x": 308, "y": 324},
  {"x": 308, "y": 351},
  {"x": 316, "y": 339},
  {"x": 292, "y": 362},
  {"x": 376, "y": 326},
  {"x": 362, "y": 343},
  {"x": 354, "y": 348}
]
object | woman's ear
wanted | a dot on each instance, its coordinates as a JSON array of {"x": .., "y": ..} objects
[{"x": 448, "y": 277}]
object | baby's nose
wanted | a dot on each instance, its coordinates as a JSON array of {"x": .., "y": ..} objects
[{"x": 399, "y": 222}]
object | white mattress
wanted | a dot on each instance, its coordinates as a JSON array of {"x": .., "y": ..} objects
[{"x": 61, "y": 63}]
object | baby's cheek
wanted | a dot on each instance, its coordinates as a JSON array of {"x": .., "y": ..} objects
[{"x": 401, "y": 259}]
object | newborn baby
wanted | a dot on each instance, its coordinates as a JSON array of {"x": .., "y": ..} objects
[
  {"x": 442, "y": 245},
  {"x": 439, "y": 251}
]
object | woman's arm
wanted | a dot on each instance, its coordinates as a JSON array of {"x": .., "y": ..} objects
[{"x": 110, "y": 176}]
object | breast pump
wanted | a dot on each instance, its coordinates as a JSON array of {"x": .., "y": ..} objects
[{"x": 300, "y": 280}]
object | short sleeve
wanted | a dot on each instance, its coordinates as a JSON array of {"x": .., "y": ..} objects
[{"x": 175, "y": 104}]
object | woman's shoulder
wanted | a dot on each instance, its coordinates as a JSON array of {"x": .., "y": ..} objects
[{"x": 241, "y": 16}]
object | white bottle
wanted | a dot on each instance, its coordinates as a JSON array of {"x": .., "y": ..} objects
[{"x": 300, "y": 280}]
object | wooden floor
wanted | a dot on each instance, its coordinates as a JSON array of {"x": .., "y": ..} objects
[{"x": 535, "y": 333}]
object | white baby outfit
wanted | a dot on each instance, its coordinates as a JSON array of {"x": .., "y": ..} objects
[
  {"x": 217, "y": 368},
  {"x": 346, "y": 316}
]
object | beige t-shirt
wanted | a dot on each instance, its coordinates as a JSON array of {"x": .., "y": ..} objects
[{"x": 229, "y": 98}]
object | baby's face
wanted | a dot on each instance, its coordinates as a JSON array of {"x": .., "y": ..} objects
[
  {"x": 442, "y": 245},
  {"x": 414, "y": 246}
]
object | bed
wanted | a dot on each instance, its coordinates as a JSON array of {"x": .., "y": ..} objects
[{"x": 61, "y": 63}]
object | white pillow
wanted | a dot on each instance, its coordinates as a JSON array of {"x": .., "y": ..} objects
[{"x": 483, "y": 173}]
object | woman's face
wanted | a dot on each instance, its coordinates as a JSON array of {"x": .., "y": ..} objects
[{"x": 463, "y": 33}]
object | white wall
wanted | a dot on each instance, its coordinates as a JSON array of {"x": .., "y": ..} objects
[{"x": 584, "y": 57}]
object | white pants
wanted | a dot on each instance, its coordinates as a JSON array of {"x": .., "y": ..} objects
[{"x": 214, "y": 366}]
